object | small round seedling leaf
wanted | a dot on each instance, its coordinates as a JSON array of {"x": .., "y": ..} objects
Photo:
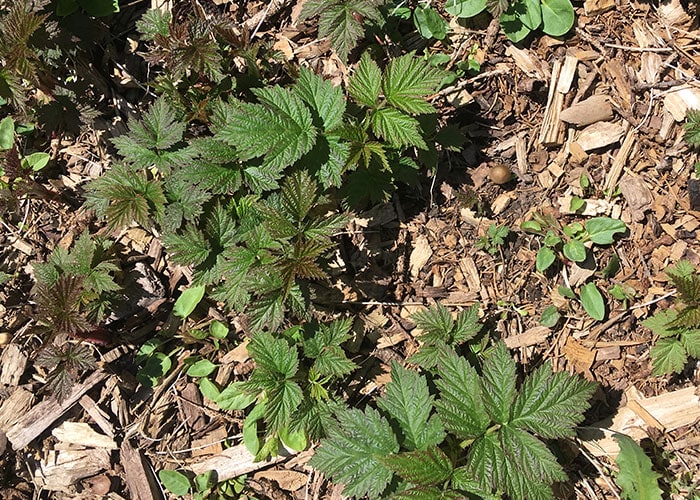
[
  {"x": 530, "y": 226},
  {"x": 205, "y": 481},
  {"x": 250, "y": 429},
  {"x": 465, "y": 8},
  {"x": 175, "y": 482},
  {"x": 550, "y": 316},
  {"x": 157, "y": 366},
  {"x": 575, "y": 250},
  {"x": 602, "y": 230},
  {"x": 532, "y": 17},
  {"x": 567, "y": 292},
  {"x": 208, "y": 389},
  {"x": 512, "y": 24},
  {"x": 218, "y": 330},
  {"x": 429, "y": 23},
  {"x": 296, "y": 440},
  {"x": 592, "y": 301},
  {"x": 37, "y": 161},
  {"x": 188, "y": 300},
  {"x": 557, "y": 17},
  {"x": 545, "y": 258},
  {"x": 7, "y": 133},
  {"x": 201, "y": 368}
]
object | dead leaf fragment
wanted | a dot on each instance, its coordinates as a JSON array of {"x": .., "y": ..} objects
[
  {"x": 596, "y": 108},
  {"x": 420, "y": 255},
  {"x": 637, "y": 195}
]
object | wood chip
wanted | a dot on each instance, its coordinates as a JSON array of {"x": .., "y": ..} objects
[
  {"x": 234, "y": 462},
  {"x": 594, "y": 109},
  {"x": 80, "y": 433},
  {"x": 420, "y": 255},
  {"x": 595, "y": 7},
  {"x": 139, "y": 478},
  {"x": 637, "y": 195},
  {"x": 536, "y": 335},
  {"x": 600, "y": 135},
  {"x": 678, "y": 100},
  {"x": 287, "y": 480},
  {"x": 12, "y": 364},
  {"x": 670, "y": 410},
  {"x": 62, "y": 468}
]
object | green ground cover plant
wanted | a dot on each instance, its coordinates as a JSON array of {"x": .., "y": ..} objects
[
  {"x": 476, "y": 432},
  {"x": 677, "y": 327},
  {"x": 520, "y": 18}
]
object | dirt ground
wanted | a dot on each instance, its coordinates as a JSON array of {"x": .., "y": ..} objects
[{"x": 640, "y": 59}]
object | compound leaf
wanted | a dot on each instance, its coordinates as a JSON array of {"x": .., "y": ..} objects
[
  {"x": 530, "y": 455},
  {"x": 408, "y": 400},
  {"x": 350, "y": 452},
  {"x": 325, "y": 100}
]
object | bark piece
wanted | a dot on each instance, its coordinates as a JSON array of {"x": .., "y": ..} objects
[
  {"x": 594, "y": 109},
  {"x": 638, "y": 196},
  {"x": 678, "y": 100},
  {"x": 138, "y": 477},
  {"x": 15, "y": 406},
  {"x": 620, "y": 161}
]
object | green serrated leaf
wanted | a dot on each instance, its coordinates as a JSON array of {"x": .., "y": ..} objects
[
  {"x": 636, "y": 478},
  {"x": 350, "y": 454},
  {"x": 551, "y": 404},
  {"x": 397, "y": 128},
  {"x": 668, "y": 356},
  {"x": 461, "y": 404},
  {"x": 530, "y": 455},
  {"x": 425, "y": 467},
  {"x": 408, "y": 80},
  {"x": 325, "y": 100},
  {"x": 408, "y": 400},
  {"x": 592, "y": 301},
  {"x": 690, "y": 338},
  {"x": 279, "y": 129},
  {"x": 498, "y": 383},
  {"x": 365, "y": 82},
  {"x": 661, "y": 323}
]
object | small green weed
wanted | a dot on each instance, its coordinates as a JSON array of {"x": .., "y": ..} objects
[
  {"x": 494, "y": 239},
  {"x": 520, "y": 18},
  {"x": 678, "y": 328}
]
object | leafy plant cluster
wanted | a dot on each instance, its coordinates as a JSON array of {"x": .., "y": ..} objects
[
  {"x": 571, "y": 242},
  {"x": 461, "y": 429},
  {"x": 520, "y": 18},
  {"x": 245, "y": 203},
  {"x": 292, "y": 389},
  {"x": 72, "y": 294},
  {"x": 678, "y": 328}
]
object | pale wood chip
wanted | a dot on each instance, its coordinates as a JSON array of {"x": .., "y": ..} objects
[
  {"x": 596, "y": 7},
  {"x": 81, "y": 434},
  {"x": 537, "y": 335},
  {"x": 287, "y": 480},
  {"x": 63, "y": 468},
  {"x": 12, "y": 364},
  {"x": 236, "y": 461},
  {"x": 420, "y": 255},
  {"x": 14, "y": 407},
  {"x": 600, "y": 135}
]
